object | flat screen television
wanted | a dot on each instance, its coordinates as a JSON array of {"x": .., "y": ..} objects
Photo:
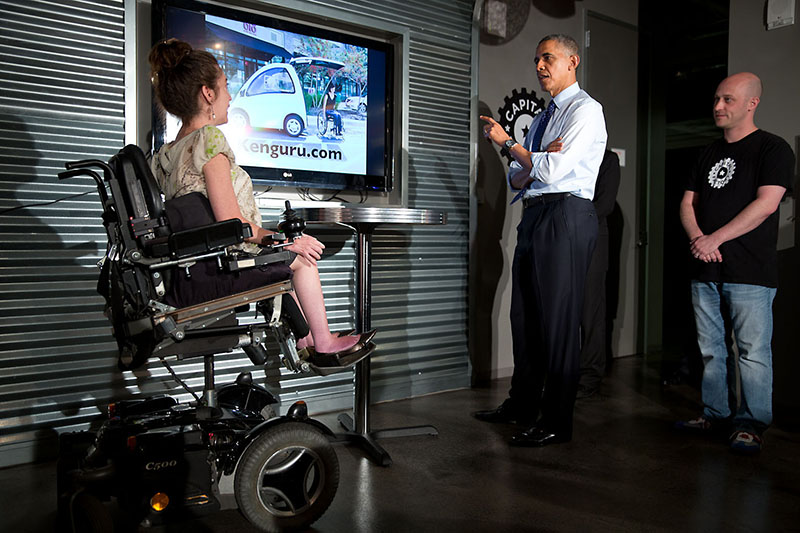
[{"x": 311, "y": 107}]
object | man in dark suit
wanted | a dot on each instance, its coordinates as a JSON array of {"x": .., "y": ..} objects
[
  {"x": 554, "y": 173},
  {"x": 593, "y": 320}
]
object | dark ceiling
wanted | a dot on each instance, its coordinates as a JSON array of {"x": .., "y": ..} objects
[
  {"x": 694, "y": 45},
  {"x": 686, "y": 46}
]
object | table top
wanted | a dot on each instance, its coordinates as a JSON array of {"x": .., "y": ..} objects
[{"x": 372, "y": 215}]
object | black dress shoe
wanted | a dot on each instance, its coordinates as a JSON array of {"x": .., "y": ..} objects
[
  {"x": 505, "y": 414},
  {"x": 535, "y": 436}
]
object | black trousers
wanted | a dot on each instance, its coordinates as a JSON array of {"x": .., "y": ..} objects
[
  {"x": 208, "y": 283},
  {"x": 593, "y": 324},
  {"x": 555, "y": 241}
]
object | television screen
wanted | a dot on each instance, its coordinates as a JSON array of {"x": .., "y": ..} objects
[{"x": 310, "y": 107}]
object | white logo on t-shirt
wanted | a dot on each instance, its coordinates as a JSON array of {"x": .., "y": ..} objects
[{"x": 721, "y": 173}]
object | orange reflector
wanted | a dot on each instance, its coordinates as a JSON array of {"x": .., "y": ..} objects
[
  {"x": 132, "y": 443},
  {"x": 159, "y": 501}
]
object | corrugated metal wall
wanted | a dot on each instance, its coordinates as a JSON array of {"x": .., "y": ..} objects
[{"x": 62, "y": 85}]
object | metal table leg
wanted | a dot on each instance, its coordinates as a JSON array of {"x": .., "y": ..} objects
[{"x": 358, "y": 428}]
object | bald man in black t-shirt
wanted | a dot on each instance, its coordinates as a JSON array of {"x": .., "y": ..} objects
[{"x": 730, "y": 214}]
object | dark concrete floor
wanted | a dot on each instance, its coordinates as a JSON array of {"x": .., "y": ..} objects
[{"x": 625, "y": 470}]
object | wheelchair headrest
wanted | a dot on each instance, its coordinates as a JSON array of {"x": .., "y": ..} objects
[{"x": 142, "y": 193}]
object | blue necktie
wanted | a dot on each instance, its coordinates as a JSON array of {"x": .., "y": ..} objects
[
  {"x": 536, "y": 145},
  {"x": 537, "y": 136}
]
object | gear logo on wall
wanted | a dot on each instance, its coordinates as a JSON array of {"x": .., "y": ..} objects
[{"x": 517, "y": 114}]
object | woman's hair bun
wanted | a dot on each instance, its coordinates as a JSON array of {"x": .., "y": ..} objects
[
  {"x": 167, "y": 55},
  {"x": 178, "y": 73}
]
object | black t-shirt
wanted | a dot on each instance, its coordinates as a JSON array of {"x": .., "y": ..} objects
[{"x": 726, "y": 179}]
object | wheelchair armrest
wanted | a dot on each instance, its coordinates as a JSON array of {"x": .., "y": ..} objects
[
  {"x": 234, "y": 264},
  {"x": 209, "y": 238}
]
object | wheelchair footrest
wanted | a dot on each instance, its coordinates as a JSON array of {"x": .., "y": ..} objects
[{"x": 326, "y": 364}]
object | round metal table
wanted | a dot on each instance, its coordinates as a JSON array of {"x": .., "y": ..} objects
[{"x": 363, "y": 221}]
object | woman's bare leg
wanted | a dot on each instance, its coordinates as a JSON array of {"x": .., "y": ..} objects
[{"x": 308, "y": 293}]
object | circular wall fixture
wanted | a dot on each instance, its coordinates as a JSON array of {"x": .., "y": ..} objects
[{"x": 502, "y": 20}]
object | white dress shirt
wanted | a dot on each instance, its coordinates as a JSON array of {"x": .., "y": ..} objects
[{"x": 578, "y": 120}]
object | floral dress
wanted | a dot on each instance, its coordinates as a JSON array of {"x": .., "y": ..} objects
[{"x": 178, "y": 168}]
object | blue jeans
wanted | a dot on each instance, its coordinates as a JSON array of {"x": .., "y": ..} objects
[
  {"x": 746, "y": 310},
  {"x": 337, "y": 121}
]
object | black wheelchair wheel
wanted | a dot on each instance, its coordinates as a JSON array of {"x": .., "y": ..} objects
[{"x": 286, "y": 478}]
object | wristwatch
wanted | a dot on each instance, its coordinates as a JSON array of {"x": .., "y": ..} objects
[{"x": 509, "y": 143}]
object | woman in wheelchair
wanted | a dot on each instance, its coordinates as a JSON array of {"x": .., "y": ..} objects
[
  {"x": 189, "y": 84},
  {"x": 329, "y": 105}
]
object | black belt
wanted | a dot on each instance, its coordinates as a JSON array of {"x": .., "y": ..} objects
[{"x": 531, "y": 201}]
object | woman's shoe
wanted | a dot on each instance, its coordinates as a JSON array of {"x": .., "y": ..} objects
[
  {"x": 367, "y": 336},
  {"x": 363, "y": 340},
  {"x": 371, "y": 333},
  {"x": 328, "y": 363}
]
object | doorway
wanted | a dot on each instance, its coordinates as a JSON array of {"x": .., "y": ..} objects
[
  {"x": 689, "y": 57},
  {"x": 611, "y": 77}
]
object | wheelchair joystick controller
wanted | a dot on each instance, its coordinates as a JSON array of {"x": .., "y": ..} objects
[{"x": 292, "y": 225}]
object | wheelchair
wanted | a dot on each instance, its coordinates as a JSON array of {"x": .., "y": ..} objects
[
  {"x": 326, "y": 126},
  {"x": 160, "y": 460}
]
